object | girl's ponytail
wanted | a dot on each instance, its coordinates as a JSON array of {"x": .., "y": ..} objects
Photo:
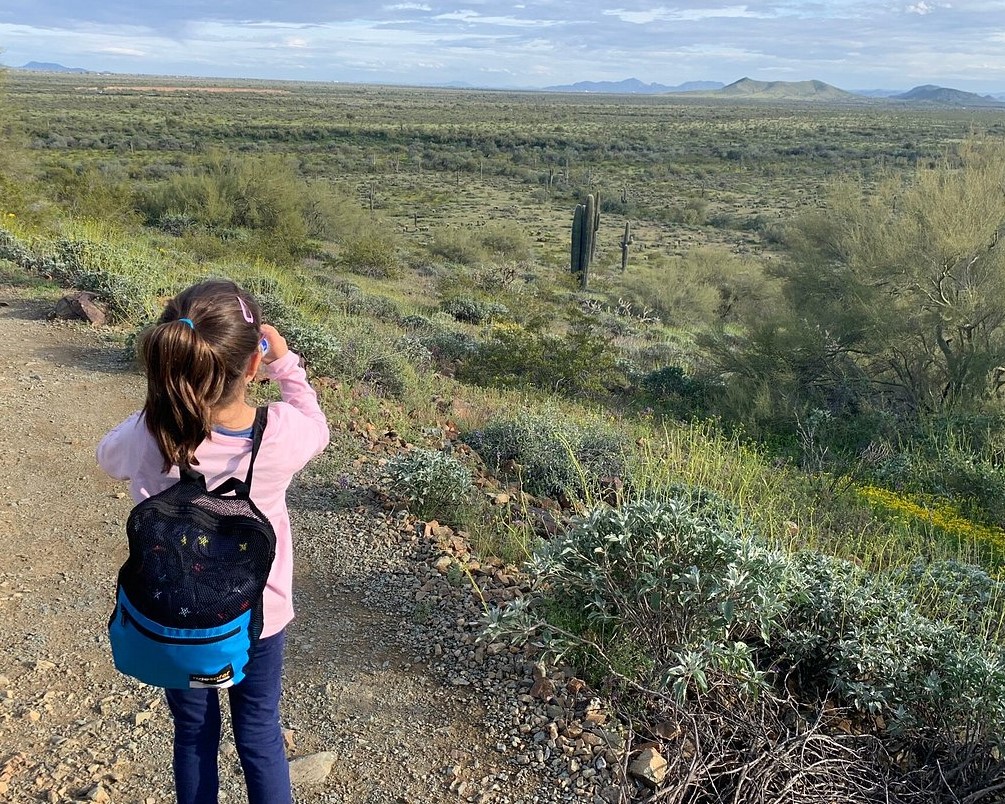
[{"x": 194, "y": 357}]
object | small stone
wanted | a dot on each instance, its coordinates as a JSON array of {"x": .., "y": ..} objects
[
  {"x": 544, "y": 688},
  {"x": 142, "y": 717},
  {"x": 32, "y": 716},
  {"x": 649, "y": 767},
  {"x": 97, "y": 793},
  {"x": 312, "y": 769}
]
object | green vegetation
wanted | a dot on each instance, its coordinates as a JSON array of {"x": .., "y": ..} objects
[
  {"x": 435, "y": 485},
  {"x": 772, "y": 442}
]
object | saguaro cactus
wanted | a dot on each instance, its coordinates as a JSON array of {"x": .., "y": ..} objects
[
  {"x": 585, "y": 222},
  {"x": 626, "y": 242}
]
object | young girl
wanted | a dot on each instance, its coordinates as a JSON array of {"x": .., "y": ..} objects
[{"x": 199, "y": 358}]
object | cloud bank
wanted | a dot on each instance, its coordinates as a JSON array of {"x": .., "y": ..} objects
[{"x": 850, "y": 43}]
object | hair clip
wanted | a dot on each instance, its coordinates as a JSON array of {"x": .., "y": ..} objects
[
  {"x": 244, "y": 309},
  {"x": 186, "y": 321}
]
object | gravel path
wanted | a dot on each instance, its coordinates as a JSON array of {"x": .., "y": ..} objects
[{"x": 387, "y": 696}]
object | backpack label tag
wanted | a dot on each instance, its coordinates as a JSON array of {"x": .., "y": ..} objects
[{"x": 222, "y": 679}]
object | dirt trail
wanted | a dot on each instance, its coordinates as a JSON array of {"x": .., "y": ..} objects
[{"x": 72, "y": 729}]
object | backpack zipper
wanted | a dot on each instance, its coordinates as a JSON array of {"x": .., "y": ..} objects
[{"x": 127, "y": 618}]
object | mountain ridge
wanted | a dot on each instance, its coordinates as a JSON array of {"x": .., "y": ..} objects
[
  {"x": 947, "y": 96},
  {"x": 633, "y": 86},
  {"x": 50, "y": 67},
  {"x": 785, "y": 90}
]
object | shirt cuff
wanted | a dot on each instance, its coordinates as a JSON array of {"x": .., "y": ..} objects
[{"x": 282, "y": 365}]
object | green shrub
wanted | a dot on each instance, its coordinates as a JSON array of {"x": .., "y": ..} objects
[
  {"x": 417, "y": 323},
  {"x": 457, "y": 245},
  {"x": 412, "y": 350},
  {"x": 670, "y": 588},
  {"x": 370, "y": 254},
  {"x": 378, "y": 307},
  {"x": 580, "y": 362},
  {"x": 233, "y": 195},
  {"x": 505, "y": 241},
  {"x": 863, "y": 638},
  {"x": 473, "y": 311},
  {"x": 389, "y": 371},
  {"x": 435, "y": 485},
  {"x": 551, "y": 454},
  {"x": 706, "y": 286},
  {"x": 448, "y": 346},
  {"x": 88, "y": 191},
  {"x": 670, "y": 389},
  {"x": 471, "y": 246},
  {"x": 125, "y": 286},
  {"x": 678, "y": 595},
  {"x": 961, "y": 594},
  {"x": 953, "y": 464},
  {"x": 317, "y": 345}
]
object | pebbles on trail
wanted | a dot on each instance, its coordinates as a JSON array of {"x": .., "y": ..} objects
[{"x": 388, "y": 695}]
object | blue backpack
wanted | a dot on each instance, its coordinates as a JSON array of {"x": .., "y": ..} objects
[{"x": 188, "y": 604}]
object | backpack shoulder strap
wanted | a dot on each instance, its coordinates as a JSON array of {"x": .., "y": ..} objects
[
  {"x": 186, "y": 472},
  {"x": 242, "y": 488},
  {"x": 257, "y": 431}
]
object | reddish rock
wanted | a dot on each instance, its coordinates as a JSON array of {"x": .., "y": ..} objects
[{"x": 80, "y": 306}]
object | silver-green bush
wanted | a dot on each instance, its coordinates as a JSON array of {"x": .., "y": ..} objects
[
  {"x": 553, "y": 455},
  {"x": 672, "y": 595},
  {"x": 433, "y": 484}
]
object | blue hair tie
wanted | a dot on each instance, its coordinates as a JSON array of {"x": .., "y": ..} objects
[{"x": 188, "y": 321}]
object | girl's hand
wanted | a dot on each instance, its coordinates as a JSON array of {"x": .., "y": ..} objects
[{"x": 277, "y": 344}]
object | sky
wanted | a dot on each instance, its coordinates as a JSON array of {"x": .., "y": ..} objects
[{"x": 852, "y": 44}]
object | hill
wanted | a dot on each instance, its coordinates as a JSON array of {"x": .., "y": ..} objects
[
  {"x": 51, "y": 67},
  {"x": 785, "y": 90},
  {"x": 944, "y": 95},
  {"x": 634, "y": 86},
  {"x": 876, "y": 93}
]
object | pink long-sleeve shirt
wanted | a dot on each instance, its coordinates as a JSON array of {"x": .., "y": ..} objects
[{"x": 296, "y": 431}]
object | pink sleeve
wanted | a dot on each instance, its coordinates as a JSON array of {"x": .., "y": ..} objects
[
  {"x": 300, "y": 419},
  {"x": 117, "y": 452}
]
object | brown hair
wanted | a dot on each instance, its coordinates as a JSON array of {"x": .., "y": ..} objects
[{"x": 194, "y": 357}]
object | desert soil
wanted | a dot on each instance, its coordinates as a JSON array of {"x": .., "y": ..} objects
[{"x": 373, "y": 710}]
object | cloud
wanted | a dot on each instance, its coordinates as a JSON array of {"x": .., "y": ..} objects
[
  {"x": 663, "y": 14},
  {"x": 849, "y": 43},
  {"x": 469, "y": 16},
  {"x": 121, "y": 51}
]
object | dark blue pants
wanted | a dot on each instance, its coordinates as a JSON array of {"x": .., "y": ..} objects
[{"x": 254, "y": 709}]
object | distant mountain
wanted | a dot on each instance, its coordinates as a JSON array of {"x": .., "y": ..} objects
[
  {"x": 946, "y": 96},
  {"x": 634, "y": 86},
  {"x": 785, "y": 90},
  {"x": 697, "y": 86},
  {"x": 51, "y": 67},
  {"x": 876, "y": 93}
]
